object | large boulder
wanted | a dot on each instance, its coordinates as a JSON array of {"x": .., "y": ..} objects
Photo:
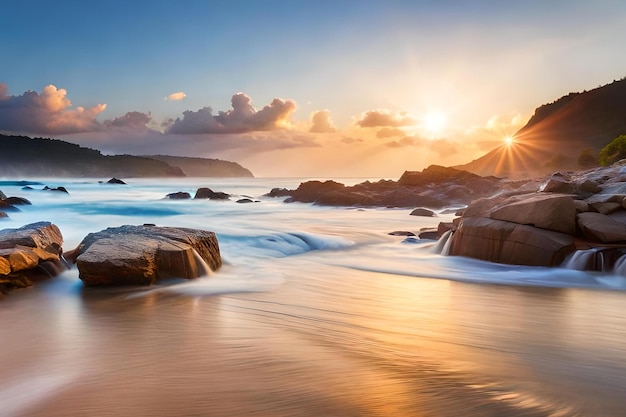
[
  {"x": 546, "y": 211},
  {"x": 28, "y": 254},
  {"x": 510, "y": 243},
  {"x": 142, "y": 255}
]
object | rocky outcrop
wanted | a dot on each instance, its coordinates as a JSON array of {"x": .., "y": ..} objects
[
  {"x": 142, "y": 255},
  {"x": 434, "y": 187},
  {"x": 28, "y": 254},
  {"x": 541, "y": 227}
]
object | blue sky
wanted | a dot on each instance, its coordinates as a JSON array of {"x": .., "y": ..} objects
[{"x": 465, "y": 72}]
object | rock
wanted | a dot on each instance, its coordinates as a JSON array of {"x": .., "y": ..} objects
[
  {"x": 588, "y": 187},
  {"x": 443, "y": 227},
  {"x": 3, "y": 214},
  {"x": 179, "y": 195},
  {"x": 557, "y": 183},
  {"x": 345, "y": 198},
  {"x": 510, "y": 243},
  {"x": 279, "y": 192},
  {"x": 430, "y": 235},
  {"x": 245, "y": 200},
  {"x": 6, "y": 206},
  {"x": 401, "y": 233},
  {"x": 601, "y": 228},
  {"x": 581, "y": 206},
  {"x": 142, "y": 255},
  {"x": 28, "y": 254},
  {"x": 17, "y": 201},
  {"x": 422, "y": 212},
  {"x": 204, "y": 193},
  {"x": 2, "y": 195},
  {"x": 310, "y": 191},
  {"x": 606, "y": 208},
  {"x": 57, "y": 189},
  {"x": 115, "y": 181},
  {"x": 27, "y": 188},
  {"x": 551, "y": 212}
]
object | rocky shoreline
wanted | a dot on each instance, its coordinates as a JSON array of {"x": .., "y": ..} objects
[{"x": 537, "y": 222}]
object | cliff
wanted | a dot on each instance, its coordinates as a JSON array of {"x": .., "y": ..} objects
[
  {"x": 204, "y": 167},
  {"x": 558, "y": 132}
]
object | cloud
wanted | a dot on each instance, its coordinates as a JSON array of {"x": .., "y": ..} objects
[
  {"x": 444, "y": 148},
  {"x": 133, "y": 120},
  {"x": 242, "y": 118},
  {"x": 388, "y": 132},
  {"x": 322, "y": 122},
  {"x": 48, "y": 112},
  {"x": 380, "y": 118},
  {"x": 178, "y": 96}
]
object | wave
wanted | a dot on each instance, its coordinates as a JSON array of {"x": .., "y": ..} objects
[
  {"x": 427, "y": 265},
  {"x": 284, "y": 244}
]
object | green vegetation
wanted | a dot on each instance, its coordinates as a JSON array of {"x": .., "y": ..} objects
[{"x": 613, "y": 152}]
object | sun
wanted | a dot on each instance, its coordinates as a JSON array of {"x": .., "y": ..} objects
[
  {"x": 509, "y": 140},
  {"x": 434, "y": 122}
]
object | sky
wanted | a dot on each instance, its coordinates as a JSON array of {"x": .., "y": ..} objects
[{"x": 363, "y": 88}]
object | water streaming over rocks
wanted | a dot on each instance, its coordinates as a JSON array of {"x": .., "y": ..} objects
[{"x": 316, "y": 311}]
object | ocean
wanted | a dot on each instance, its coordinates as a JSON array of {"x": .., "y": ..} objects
[{"x": 317, "y": 311}]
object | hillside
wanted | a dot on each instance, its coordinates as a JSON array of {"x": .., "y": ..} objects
[
  {"x": 25, "y": 157},
  {"x": 557, "y": 133},
  {"x": 204, "y": 167}
]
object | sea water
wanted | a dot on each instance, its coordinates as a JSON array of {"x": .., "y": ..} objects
[{"x": 316, "y": 311}]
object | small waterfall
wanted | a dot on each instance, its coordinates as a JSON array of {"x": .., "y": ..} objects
[
  {"x": 443, "y": 244},
  {"x": 203, "y": 268},
  {"x": 597, "y": 259},
  {"x": 620, "y": 266},
  {"x": 583, "y": 260}
]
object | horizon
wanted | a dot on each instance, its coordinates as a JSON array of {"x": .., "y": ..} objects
[{"x": 291, "y": 89}]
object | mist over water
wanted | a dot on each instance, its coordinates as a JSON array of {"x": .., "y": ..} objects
[{"x": 316, "y": 312}]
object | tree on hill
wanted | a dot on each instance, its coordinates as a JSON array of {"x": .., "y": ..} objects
[{"x": 613, "y": 152}]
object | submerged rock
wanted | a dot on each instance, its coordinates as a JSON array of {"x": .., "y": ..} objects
[
  {"x": 422, "y": 212},
  {"x": 28, "y": 254},
  {"x": 142, "y": 255}
]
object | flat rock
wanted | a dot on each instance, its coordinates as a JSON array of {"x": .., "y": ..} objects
[{"x": 142, "y": 255}]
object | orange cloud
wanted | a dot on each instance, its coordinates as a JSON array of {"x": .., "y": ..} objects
[
  {"x": 322, "y": 122},
  {"x": 178, "y": 96},
  {"x": 388, "y": 132},
  {"x": 381, "y": 118},
  {"x": 241, "y": 118},
  {"x": 48, "y": 112}
]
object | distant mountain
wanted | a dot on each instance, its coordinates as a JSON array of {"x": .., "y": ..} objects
[
  {"x": 204, "y": 167},
  {"x": 558, "y": 132},
  {"x": 25, "y": 157}
]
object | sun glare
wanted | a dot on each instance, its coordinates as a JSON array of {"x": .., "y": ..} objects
[
  {"x": 434, "y": 122},
  {"x": 508, "y": 140}
]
